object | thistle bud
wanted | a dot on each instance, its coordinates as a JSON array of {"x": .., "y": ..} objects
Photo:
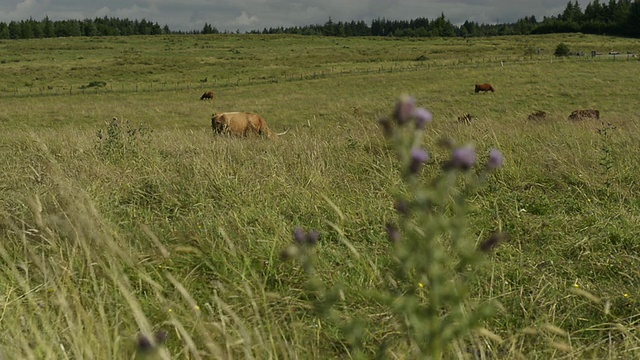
[
  {"x": 496, "y": 160},
  {"x": 393, "y": 233},
  {"x": 464, "y": 158},
  {"x": 404, "y": 109},
  {"x": 418, "y": 157},
  {"x": 423, "y": 117}
]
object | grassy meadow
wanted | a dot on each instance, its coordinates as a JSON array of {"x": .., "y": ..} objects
[{"x": 111, "y": 234}]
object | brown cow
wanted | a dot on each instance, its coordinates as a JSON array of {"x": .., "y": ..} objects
[
  {"x": 537, "y": 115},
  {"x": 466, "y": 118},
  {"x": 585, "y": 114},
  {"x": 484, "y": 88},
  {"x": 209, "y": 95},
  {"x": 241, "y": 124}
]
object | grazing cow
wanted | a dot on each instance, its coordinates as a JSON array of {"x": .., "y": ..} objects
[
  {"x": 585, "y": 114},
  {"x": 484, "y": 88},
  {"x": 209, "y": 95},
  {"x": 538, "y": 115},
  {"x": 241, "y": 124}
]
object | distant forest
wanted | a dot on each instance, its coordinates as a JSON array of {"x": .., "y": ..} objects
[
  {"x": 27, "y": 29},
  {"x": 620, "y": 18}
]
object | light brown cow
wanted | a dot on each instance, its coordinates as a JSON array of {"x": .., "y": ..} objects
[
  {"x": 585, "y": 114},
  {"x": 241, "y": 124},
  {"x": 209, "y": 95},
  {"x": 484, "y": 87}
]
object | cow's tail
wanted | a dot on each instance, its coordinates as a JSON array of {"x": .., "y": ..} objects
[{"x": 282, "y": 133}]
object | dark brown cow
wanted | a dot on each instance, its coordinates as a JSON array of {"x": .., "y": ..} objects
[
  {"x": 466, "y": 118},
  {"x": 585, "y": 114},
  {"x": 484, "y": 88},
  {"x": 241, "y": 124},
  {"x": 538, "y": 115},
  {"x": 209, "y": 95}
]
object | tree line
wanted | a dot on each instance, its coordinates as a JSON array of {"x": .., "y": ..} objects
[
  {"x": 617, "y": 17},
  {"x": 621, "y": 17},
  {"x": 46, "y": 28}
]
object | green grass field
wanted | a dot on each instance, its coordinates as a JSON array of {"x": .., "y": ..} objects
[{"x": 175, "y": 231}]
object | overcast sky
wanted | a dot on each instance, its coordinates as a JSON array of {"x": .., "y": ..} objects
[{"x": 247, "y": 15}]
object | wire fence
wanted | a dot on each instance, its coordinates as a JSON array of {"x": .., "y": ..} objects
[{"x": 221, "y": 83}]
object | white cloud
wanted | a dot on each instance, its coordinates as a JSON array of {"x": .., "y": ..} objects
[
  {"x": 133, "y": 12},
  {"x": 102, "y": 12},
  {"x": 25, "y": 9},
  {"x": 245, "y": 20}
]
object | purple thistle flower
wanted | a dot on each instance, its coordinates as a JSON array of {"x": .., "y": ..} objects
[
  {"x": 299, "y": 235},
  {"x": 423, "y": 117},
  {"x": 404, "y": 109},
  {"x": 160, "y": 336},
  {"x": 418, "y": 157},
  {"x": 496, "y": 160},
  {"x": 302, "y": 237},
  {"x": 145, "y": 344},
  {"x": 312, "y": 237},
  {"x": 464, "y": 158},
  {"x": 393, "y": 233}
]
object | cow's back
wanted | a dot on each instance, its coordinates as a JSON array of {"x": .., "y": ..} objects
[
  {"x": 484, "y": 87},
  {"x": 585, "y": 114},
  {"x": 236, "y": 122},
  {"x": 209, "y": 95}
]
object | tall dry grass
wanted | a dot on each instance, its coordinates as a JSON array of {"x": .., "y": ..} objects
[{"x": 176, "y": 234}]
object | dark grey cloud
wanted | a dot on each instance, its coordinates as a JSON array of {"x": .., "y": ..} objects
[{"x": 246, "y": 15}]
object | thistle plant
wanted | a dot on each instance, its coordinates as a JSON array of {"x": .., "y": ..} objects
[
  {"x": 427, "y": 290},
  {"x": 121, "y": 141},
  {"x": 606, "y": 156}
]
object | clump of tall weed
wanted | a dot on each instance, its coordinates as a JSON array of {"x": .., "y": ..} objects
[
  {"x": 121, "y": 141},
  {"x": 606, "y": 158},
  {"x": 425, "y": 289}
]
